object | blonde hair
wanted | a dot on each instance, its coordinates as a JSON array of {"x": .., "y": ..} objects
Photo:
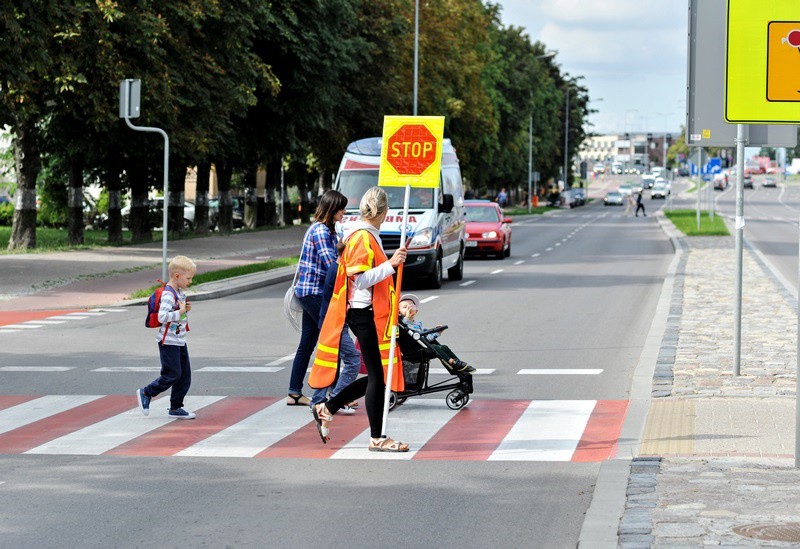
[
  {"x": 374, "y": 203},
  {"x": 183, "y": 264}
]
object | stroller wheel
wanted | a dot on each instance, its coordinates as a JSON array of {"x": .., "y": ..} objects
[
  {"x": 393, "y": 400},
  {"x": 401, "y": 400},
  {"x": 456, "y": 399}
]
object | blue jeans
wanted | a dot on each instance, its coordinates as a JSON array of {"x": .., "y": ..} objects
[
  {"x": 308, "y": 340},
  {"x": 176, "y": 372},
  {"x": 351, "y": 364}
]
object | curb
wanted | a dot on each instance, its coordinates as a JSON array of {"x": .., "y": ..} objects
[
  {"x": 228, "y": 286},
  {"x": 601, "y": 523}
]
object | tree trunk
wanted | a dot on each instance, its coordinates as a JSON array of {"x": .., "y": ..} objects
[
  {"x": 139, "y": 220},
  {"x": 273, "y": 183},
  {"x": 250, "y": 202},
  {"x": 202, "y": 221},
  {"x": 224, "y": 174},
  {"x": 114, "y": 198},
  {"x": 28, "y": 164},
  {"x": 75, "y": 221},
  {"x": 177, "y": 185}
]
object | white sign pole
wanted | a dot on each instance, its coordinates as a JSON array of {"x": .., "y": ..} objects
[{"x": 388, "y": 393}]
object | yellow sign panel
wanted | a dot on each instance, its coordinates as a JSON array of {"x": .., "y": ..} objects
[
  {"x": 763, "y": 62},
  {"x": 411, "y": 151}
]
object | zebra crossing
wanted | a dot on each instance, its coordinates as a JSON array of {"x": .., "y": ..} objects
[
  {"x": 43, "y": 319},
  {"x": 264, "y": 427}
]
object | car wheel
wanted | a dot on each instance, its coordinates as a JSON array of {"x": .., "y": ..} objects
[
  {"x": 457, "y": 271},
  {"x": 507, "y": 253},
  {"x": 187, "y": 225},
  {"x": 436, "y": 278}
]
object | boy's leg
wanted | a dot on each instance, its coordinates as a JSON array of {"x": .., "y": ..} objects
[
  {"x": 170, "y": 370},
  {"x": 181, "y": 386}
]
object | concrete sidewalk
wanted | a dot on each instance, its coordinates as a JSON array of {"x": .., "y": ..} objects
[
  {"x": 106, "y": 276},
  {"x": 716, "y": 465}
]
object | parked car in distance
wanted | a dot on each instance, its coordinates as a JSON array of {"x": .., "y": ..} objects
[
  {"x": 683, "y": 171},
  {"x": 648, "y": 179},
  {"x": 599, "y": 168},
  {"x": 488, "y": 230},
  {"x": 660, "y": 190},
  {"x": 579, "y": 196},
  {"x": 748, "y": 181},
  {"x": 625, "y": 189},
  {"x": 769, "y": 182},
  {"x": 155, "y": 213},
  {"x": 238, "y": 212},
  {"x": 614, "y": 198}
]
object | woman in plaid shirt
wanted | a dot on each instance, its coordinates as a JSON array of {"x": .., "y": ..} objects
[{"x": 317, "y": 255}]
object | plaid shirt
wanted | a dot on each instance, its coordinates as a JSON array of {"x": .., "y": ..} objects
[{"x": 318, "y": 253}]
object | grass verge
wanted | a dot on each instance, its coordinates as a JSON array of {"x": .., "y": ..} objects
[
  {"x": 686, "y": 222},
  {"x": 213, "y": 276},
  {"x": 539, "y": 210}
]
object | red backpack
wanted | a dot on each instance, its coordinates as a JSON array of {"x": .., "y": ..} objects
[{"x": 154, "y": 303}]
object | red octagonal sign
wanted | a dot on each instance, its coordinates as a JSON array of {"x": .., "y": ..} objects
[{"x": 411, "y": 150}]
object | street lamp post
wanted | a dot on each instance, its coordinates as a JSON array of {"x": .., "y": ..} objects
[
  {"x": 566, "y": 142},
  {"x": 550, "y": 53},
  {"x": 416, "y": 54}
]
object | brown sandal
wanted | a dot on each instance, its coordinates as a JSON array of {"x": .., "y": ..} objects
[{"x": 386, "y": 445}]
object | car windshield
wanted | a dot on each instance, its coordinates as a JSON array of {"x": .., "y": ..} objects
[
  {"x": 354, "y": 183},
  {"x": 485, "y": 214},
  {"x": 613, "y": 194},
  {"x": 625, "y": 186}
]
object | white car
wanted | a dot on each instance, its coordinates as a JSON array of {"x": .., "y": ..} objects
[
  {"x": 660, "y": 190},
  {"x": 648, "y": 179},
  {"x": 155, "y": 212}
]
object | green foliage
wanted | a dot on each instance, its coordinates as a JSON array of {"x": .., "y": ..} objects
[
  {"x": 686, "y": 222},
  {"x": 6, "y": 214}
]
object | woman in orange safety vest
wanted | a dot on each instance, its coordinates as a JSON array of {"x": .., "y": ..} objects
[{"x": 364, "y": 296}]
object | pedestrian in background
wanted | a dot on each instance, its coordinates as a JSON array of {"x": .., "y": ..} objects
[
  {"x": 502, "y": 198},
  {"x": 365, "y": 298},
  {"x": 639, "y": 204},
  {"x": 628, "y": 205},
  {"x": 316, "y": 257},
  {"x": 176, "y": 370}
]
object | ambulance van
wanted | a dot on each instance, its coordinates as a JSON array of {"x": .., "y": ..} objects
[{"x": 435, "y": 229}]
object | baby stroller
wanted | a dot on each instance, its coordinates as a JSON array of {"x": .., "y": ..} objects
[{"x": 417, "y": 354}]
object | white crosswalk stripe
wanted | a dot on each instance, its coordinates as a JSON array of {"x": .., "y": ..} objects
[{"x": 40, "y": 408}]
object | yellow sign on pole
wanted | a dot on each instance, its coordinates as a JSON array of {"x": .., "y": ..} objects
[
  {"x": 411, "y": 151},
  {"x": 763, "y": 62}
]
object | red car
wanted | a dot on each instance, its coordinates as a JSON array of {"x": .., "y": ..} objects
[{"x": 488, "y": 230}]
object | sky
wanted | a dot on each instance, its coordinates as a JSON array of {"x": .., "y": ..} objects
[{"x": 631, "y": 53}]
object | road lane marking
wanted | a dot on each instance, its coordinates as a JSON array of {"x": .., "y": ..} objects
[
  {"x": 467, "y": 283},
  {"x": 66, "y": 317},
  {"x": 35, "y": 368},
  {"x": 564, "y": 239},
  {"x": 281, "y": 360},
  {"x": 428, "y": 299},
  {"x": 84, "y": 314},
  {"x": 109, "y": 310},
  {"x": 48, "y": 322},
  {"x": 549, "y": 250},
  {"x": 558, "y": 243},
  {"x": 242, "y": 369},
  {"x": 22, "y": 326},
  {"x": 477, "y": 372},
  {"x": 520, "y": 262},
  {"x": 557, "y": 371},
  {"x": 496, "y": 271},
  {"x": 2, "y": 331},
  {"x": 128, "y": 369},
  {"x": 546, "y": 431},
  {"x": 536, "y": 255}
]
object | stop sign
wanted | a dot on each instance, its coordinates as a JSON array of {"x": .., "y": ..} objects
[{"x": 411, "y": 149}]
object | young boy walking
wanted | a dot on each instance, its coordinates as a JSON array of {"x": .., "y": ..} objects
[{"x": 175, "y": 368}]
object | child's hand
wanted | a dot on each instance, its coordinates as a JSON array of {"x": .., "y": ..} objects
[
  {"x": 182, "y": 307},
  {"x": 188, "y": 306}
]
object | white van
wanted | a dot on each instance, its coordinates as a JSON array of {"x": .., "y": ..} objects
[{"x": 435, "y": 231}]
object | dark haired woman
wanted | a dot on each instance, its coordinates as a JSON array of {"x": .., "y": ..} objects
[{"x": 316, "y": 256}]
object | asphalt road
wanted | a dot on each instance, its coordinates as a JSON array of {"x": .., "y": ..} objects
[{"x": 578, "y": 292}]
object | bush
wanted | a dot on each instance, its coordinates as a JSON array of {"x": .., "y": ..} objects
[{"x": 6, "y": 214}]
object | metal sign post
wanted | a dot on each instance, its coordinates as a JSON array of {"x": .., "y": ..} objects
[
  {"x": 739, "y": 223},
  {"x": 129, "y": 99},
  {"x": 698, "y": 180}
]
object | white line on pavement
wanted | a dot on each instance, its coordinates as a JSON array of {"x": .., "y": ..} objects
[
  {"x": 85, "y": 313},
  {"x": 549, "y": 250},
  {"x": 2, "y": 331},
  {"x": 477, "y": 372},
  {"x": 496, "y": 271},
  {"x": 242, "y": 369},
  {"x": 48, "y": 322},
  {"x": 429, "y": 299},
  {"x": 35, "y": 368},
  {"x": 23, "y": 326},
  {"x": 128, "y": 369},
  {"x": 520, "y": 262},
  {"x": 467, "y": 283},
  {"x": 281, "y": 360},
  {"x": 559, "y": 371},
  {"x": 65, "y": 317},
  {"x": 536, "y": 255}
]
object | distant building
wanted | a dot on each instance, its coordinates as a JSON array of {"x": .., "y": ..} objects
[{"x": 632, "y": 150}]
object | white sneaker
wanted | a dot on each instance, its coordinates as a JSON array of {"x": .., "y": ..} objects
[{"x": 346, "y": 410}]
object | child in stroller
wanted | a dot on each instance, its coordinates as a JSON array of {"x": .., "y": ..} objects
[{"x": 409, "y": 307}]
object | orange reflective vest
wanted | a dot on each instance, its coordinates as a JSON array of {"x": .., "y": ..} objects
[{"x": 361, "y": 253}]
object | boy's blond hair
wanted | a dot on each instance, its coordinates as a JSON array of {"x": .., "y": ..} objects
[{"x": 183, "y": 264}]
